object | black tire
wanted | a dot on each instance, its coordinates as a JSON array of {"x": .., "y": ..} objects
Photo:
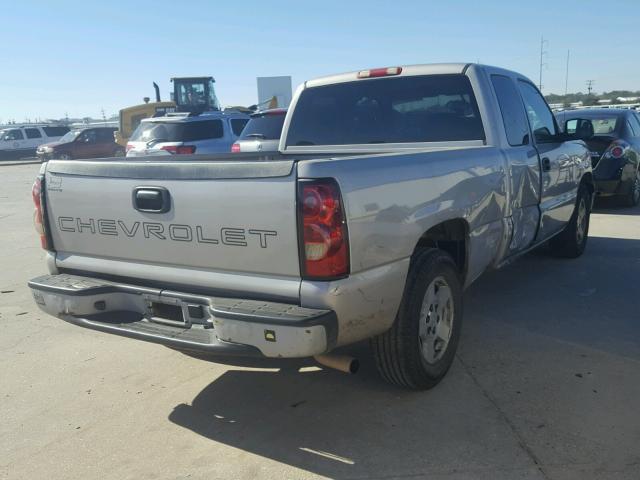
[
  {"x": 399, "y": 351},
  {"x": 633, "y": 197},
  {"x": 119, "y": 152},
  {"x": 572, "y": 241}
]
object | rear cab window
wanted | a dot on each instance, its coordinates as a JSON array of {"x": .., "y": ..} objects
[
  {"x": 264, "y": 127},
  {"x": 602, "y": 125},
  {"x": 411, "y": 109},
  {"x": 178, "y": 132}
]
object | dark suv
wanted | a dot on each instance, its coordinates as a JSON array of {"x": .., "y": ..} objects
[{"x": 89, "y": 142}]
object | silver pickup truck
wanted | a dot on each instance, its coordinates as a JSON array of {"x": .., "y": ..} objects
[{"x": 393, "y": 190}]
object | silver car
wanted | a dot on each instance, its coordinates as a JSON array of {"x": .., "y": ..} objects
[
  {"x": 209, "y": 132},
  {"x": 262, "y": 133}
]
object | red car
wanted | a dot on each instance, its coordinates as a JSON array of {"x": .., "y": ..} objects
[{"x": 89, "y": 142}]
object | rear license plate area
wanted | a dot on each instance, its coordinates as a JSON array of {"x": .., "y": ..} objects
[{"x": 167, "y": 313}]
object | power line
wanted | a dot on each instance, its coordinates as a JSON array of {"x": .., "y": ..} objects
[
  {"x": 566, "y": 76},
  {"x": 543, "y": 52}
]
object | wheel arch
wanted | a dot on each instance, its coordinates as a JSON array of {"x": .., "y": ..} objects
[{"x": 451, "y": 236}]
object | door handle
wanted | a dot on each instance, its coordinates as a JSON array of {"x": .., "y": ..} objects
[
  {"x": 546, "y": 164},
  {"x": 151, "y": 199}
]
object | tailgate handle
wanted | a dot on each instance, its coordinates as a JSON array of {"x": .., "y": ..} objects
[{"x": 151, "y": 199}]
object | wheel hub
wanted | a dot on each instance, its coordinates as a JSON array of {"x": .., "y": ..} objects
[
  {"x": 436, "y": 320},
  {"x": 581, "y": 221}
]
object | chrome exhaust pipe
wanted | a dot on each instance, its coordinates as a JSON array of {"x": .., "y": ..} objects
[{"x": 344, "y": 363}]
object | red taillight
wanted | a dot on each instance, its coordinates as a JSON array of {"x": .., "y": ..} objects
[
  {"x": 129, "y": 146},
  {"x": 380, "y": 72},
  {"x": 324, "y": 242},
  {"x": 38, "y": 215},
  {"x": 235, "y": 148},
  {"x": 617, "y": 151},
  {"x": 179, "y": 149}
]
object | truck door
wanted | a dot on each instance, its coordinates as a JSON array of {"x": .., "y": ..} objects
[
  {"x": 523, "y": 164},
  {"x": 558, "y": 163}
]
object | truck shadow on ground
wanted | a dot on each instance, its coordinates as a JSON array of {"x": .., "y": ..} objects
[
  {"x": 613, "y": 206},
  {"x": 342, "y": 426}
]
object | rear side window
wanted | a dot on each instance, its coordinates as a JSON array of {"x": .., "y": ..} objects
[
  {"x": 635, "y": 125},
  {"x": 202, "y": 130},
  {"x": 428, "y": 108},
  {"x": 237, "y": 125},
  {"x": 106, "y": 135},
  {"x": 32, "y": 133},
  {"x": 178, "y": 132},
  {"x": 55, "y": 131},
  {"x": 540, "y": 116},
  {"x": 265, "y": 127},
  {"x": 512, "y": 110}
]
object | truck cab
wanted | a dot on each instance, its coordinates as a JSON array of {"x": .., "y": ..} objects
[{"x": 194, "y": 94}]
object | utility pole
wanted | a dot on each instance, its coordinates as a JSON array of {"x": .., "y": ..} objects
[
  {"x": 566, "y": 76},
  {"x": 104, "y": 118},
  {"x": 590, "y": 85},
  {"x": 543, "y": 52}
]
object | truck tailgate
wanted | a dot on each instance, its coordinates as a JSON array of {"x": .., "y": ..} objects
[{"x": 227, "y": 216}]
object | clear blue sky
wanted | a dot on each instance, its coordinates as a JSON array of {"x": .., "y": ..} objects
[{"x": 79, "y": 57}]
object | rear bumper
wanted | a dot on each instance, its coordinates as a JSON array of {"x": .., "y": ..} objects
[{"x": 213, "y": 325}]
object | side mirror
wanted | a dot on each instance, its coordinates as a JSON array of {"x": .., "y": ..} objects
[{"x": 578, "y": 129}]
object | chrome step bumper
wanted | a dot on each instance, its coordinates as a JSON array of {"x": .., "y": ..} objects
[{"x": 215, "y": 325}]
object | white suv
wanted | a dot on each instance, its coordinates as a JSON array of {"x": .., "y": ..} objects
[
  {"x": 22, "y": 141},
  {"x": 209, "y": 132}
]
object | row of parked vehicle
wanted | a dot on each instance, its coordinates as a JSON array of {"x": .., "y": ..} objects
[{"x": 209, "y": 132}]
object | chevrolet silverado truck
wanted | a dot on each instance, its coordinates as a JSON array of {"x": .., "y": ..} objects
[{"x": 393, "y": 190}]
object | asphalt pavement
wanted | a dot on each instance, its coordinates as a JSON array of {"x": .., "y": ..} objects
[{"x": 546, "y": 385}]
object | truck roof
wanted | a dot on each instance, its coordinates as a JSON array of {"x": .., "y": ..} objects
[
  {"x": 407, "y": 70},
  {"x": 420, "y": 69},
  {"x": 196, "y": 118}
]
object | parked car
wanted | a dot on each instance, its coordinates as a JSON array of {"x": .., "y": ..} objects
[
  {"x": 209, "y": 132},
  {"x": 91, "y": 142},
  {"x": 615, "y": 150},
  {"x": 394, "y": 189},
  {"x": 22, "y": 141},
  {"x": 262, "y": 133}
]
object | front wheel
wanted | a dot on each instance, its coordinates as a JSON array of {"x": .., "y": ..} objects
[
  {"x": 419, "y": 348},
  {"x": 572, "y": 241},
  {"x": 63, "y": 156}
]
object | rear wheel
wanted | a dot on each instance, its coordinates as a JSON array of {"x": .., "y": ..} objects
[
  {"x": 119, "y": 152},
  {"x": 63, "y": 156},
  {"x": 419, "y": 348},
  {"x": 633, "y": 197},
  {"x": 572, "y": 241}
]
